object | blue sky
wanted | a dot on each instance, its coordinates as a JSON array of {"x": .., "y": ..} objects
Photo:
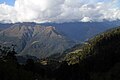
[{"x": 9, "y": 2}]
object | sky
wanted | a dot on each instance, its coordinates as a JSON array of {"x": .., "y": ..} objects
[
  {"x": 42, "y": 11},
  {"x": 9, "y": 2}
]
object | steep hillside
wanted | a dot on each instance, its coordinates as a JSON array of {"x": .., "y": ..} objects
[
  {"x": 107, "y": 41},
  {"x": 35, "y": 40},
  {"x": 97, "y": 59},
  {"x": 100, "y": 56}
]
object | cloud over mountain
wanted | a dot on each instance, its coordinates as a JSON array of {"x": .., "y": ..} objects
[{"x": 60, "y": 11}]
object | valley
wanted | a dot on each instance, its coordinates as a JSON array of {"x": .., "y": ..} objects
[
  {"x": 48, "y": 39},
  {"x": 97, "y": 58}
]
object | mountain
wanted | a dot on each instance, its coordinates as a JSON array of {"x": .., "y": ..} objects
[
  {"x": 103, "y": 44},
  {"x": 99, "y": 57},
  {"x": 82, "y": 31},
  {"x": 76, "y": 31},
  {"x": 5, "y": 25},
  {"x": 35, "y": 40}
]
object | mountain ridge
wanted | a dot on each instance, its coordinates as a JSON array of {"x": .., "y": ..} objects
[
  {"x": 26, "y": 37},
  {"x": 73, "y": 29}
]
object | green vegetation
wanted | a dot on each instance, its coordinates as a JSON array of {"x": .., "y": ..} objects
[
  {"x": 100, "y": 56},
  {"x": 9, "y": 68},
  {"x": 97, "y": 59}
]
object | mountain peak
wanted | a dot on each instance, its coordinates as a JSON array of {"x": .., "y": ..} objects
[
  {"x": 50, "y": 28},
  {"x": 39, "y": 41}
]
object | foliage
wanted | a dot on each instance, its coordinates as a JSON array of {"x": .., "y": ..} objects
[
  {"x": 99, "y": 56},
  {"x": 97, "y": 59}
]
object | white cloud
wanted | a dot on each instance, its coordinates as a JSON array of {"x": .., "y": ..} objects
[
  {"x": 86, "y": 19},
  {"x": 60, "y": 11}
]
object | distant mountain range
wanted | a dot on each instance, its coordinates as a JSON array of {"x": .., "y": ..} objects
[
  {"x": 82, "y": 31},
  {"x": 44, "y": 40}
]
